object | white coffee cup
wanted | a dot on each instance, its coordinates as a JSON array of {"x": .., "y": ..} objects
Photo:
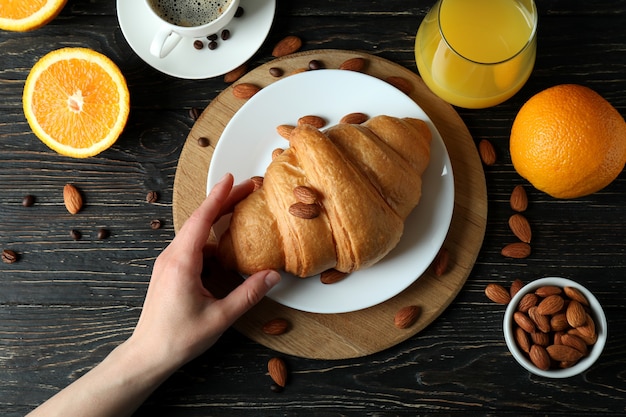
[{"x": 183, "y": 18}]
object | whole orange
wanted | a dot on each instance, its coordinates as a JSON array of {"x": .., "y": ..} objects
[{"x": 568, "y": 141}]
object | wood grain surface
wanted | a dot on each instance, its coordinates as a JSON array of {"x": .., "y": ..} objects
[
  {"x": 66, "y": 304},
  {"x": 348, "y": 335}
]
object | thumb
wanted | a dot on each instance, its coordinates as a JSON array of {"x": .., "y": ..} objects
[{"x": 248, "y": 294}]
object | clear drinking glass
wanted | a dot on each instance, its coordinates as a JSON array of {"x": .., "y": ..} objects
[{"x": 477, "y": 53}]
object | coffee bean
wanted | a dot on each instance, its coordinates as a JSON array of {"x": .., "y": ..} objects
[
  {"x": 203, "y": 142},
  {"x": 9, "y": 256},
  {"x": 225, "y": 34},
  {"x": 239, "y": 12},
  {"x": 276, "y": 72},
  {"x": 212, "y": 45},
  {"x": 198, "y": 44},
  {"x": 315, "y": 64},
  {"x": 194, "y": 113},
  {"x": 75, "y": 234},
  {"x": 28, "y": 200},
  {"x": 155, "y": 224},
  {"x": 152, "y": 197},
  {"x": 212, "y": 37},
  {"x": 103, "y": 233}
]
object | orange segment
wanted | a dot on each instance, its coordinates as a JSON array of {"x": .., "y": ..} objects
[
  {"x": 21, "y": 16},
  {"x": 76, "y": 101},
  {"x": 568, "y": 141}
]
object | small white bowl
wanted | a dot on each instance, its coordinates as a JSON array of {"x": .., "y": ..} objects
[{"x": 596, "y": 313}]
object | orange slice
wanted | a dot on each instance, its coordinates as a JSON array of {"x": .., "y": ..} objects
[
  {"x": 21, "y": 16},
  {"x": 76, "y": 101}
]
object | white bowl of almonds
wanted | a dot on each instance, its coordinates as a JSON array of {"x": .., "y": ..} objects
[{"x": 555, "y": 327}]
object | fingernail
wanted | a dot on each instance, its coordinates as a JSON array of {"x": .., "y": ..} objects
[
  {"x": 224, "y": 178},
  {"x": 272, "y": 278}
]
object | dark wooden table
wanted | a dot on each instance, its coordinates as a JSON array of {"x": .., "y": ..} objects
[{"x": 65, "y": 304}]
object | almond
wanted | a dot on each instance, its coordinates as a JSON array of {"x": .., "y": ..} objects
[
  {"x": 245, "y": 90},
  {"x": 497, "y": 293},
  {"x": 548, "y": 290},
  {"x": 286, "y": 46},
  {"x": 524, "y": 322},
  {"x": 517, "y": 250},
  {"x": 542, "y": 322},
  {"x": 540, "y": 357},
  {"x": 521, "y": 337},
  {"x": 258, "y": 182},
  {"x": 235, "y": 74},
  {"x": 487, "y": 152},
  {"x": 314, "y": 121},
  {"x": 576, "y": 314},
  {"x": 540, "y": 338},
  {"x": 550, "y": 305},
  {"x": 72, "y": 198},
  {"x": 305, "y": 211},
  {"x": 277, "y": 152},
  {"x": 558, "y": 322},
  {"x": 353, "y": 64},
  {"x": 519, "y": 199},
  {"x": 285, "y": 130},
  {"x": 354, "y": 118},
  {"x": 277, "y": 369},
  {"x": 520, "y": 227},
  {"x": 575, "y": 342},
  {"x": 516, "y": 285},
  {"x": 276, "y": 327},
  {"x": 563, "y": 353},
  {"x": 331, "y": 276},
  {"x": 305, "y": 194},
  {"x": 575, "y": 294},
  {"x": 528, "y": 300},
  {"x": 590, "y": 339},
  {"x": 406, "y": 316},
  {"x": 441, "y": 261},
  {"x": 401, "y": 84},
  {"x": 588, "y": 330}
]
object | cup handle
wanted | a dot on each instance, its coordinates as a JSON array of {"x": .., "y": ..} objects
[{"x": 164, "y": 42}]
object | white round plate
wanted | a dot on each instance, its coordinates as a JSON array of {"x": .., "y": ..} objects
[
  {"x": 245, "y": 148},
  {"x": 248, "y": 32}
]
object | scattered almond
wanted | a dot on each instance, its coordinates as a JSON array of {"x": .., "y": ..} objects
[
  {"x": 277, "y": 369},
  {"x": 519, "y": 199},
  {"x": 497, "y": 293},
  {"x": 353, "y": 64},
  {"x": 245, "y": 90},
  {"x": 406, "y": 316},
  {"x": 517, "y": 250},
  {"x": 285, "y": 130},
  {"x": 354, "y": 118},
  {"x": 441, "y": 262},
  {"x": 305, "y": 194},
  {"x": 315, "y": 121},
  {"x": 235, "y": 74},
  {"x": 286, "y": 46},
  {"x": 401, "y": 84},
  {"x": 305, "y": 211},
  {"x": 487, "y": 152},
  {"x": 520, "y": 227},
  {"x": 331, "y": 276},
  {"x": 276, "y": 327},
  {"x": 72, "y": 198}
]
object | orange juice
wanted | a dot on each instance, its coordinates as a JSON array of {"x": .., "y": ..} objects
[{"x": 477, "y": 53}]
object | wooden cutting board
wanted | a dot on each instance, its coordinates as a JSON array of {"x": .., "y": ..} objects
[{"x": 363, "y": 332}]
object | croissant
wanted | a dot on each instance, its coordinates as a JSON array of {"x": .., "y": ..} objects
[{"x": 333, "y": 199}]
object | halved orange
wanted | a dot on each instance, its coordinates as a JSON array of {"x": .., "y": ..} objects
[
  {"x": 21, "y": 16},
  {"x": 76, "y": 101}
]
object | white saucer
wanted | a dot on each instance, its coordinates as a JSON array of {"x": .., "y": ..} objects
[
  {"x": 248, "y": 32},
  {"x": 332, "y": 94}
]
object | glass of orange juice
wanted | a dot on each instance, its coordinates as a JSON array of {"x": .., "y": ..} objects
[{"x": 477, "y": 53}]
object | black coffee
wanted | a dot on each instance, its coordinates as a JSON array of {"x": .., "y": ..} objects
[{"x": 189, "y": 13}]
